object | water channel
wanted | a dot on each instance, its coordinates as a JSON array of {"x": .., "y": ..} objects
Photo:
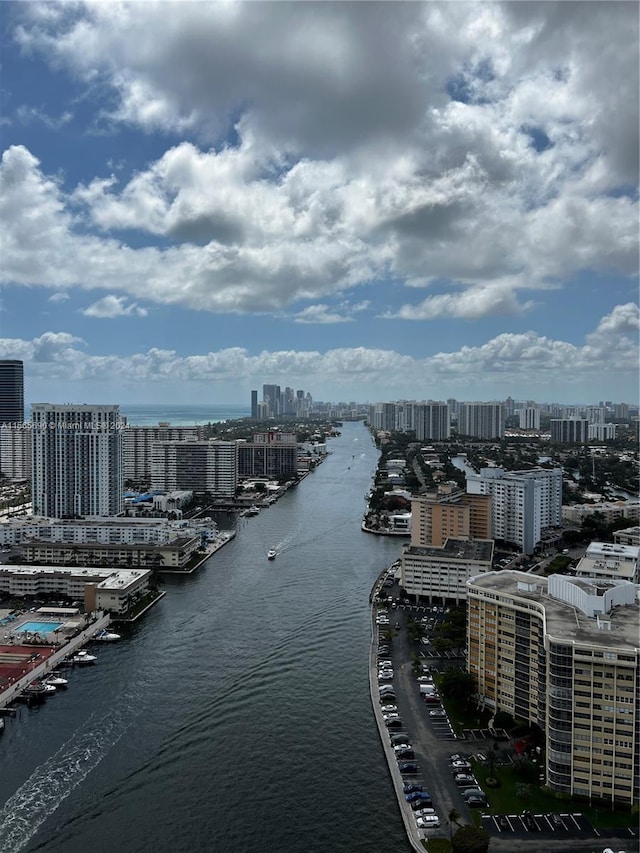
[{"x": 236, "y": 715}]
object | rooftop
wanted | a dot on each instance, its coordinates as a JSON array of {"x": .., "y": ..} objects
[
  {"x": 457, "y": 549},
  {"x": 563, "y": 620}
]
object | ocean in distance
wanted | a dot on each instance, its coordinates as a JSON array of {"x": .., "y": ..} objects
[{"x": 181, "y": 414}]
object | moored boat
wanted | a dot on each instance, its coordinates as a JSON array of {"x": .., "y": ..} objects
[
  {"x": 57, "y": 681},
  {"x": 83, "y": 658},
  {"x": 107, "y": 636}
]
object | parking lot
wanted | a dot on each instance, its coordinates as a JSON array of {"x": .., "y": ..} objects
[{"x": 422, "y": 744}]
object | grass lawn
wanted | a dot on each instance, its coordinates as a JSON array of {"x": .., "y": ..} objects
[{"x": 504, "y": 800}]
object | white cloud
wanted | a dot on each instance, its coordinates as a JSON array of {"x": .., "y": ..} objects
[
  {"x": 114, "y": 306},
  {"x": 60, "y": 296},
  {"x": 348, "y": 162},
  {"x": 524, "y": 360},
  {"x": 320, "y": 314}
]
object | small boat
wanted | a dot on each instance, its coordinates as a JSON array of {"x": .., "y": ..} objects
[
  {"x": 56, "y": 681},
  {"x": 271, "y": 554},
  {"x": 84, "y": 658},
  {"x": 1, "y": 725},
  {"x": 107, "y": 636},
  {"x": 48, "y": 688}
]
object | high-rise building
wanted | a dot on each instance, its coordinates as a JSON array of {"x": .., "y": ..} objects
[
  {"x": 271, "y": 395},
  {"x": 254, "y": 405},
  {"x": 570, "y": 430},
  {"x": 529, "y": 418},
  {"x": 431, "y": 421},
  {"x": 76, "y": 460},
  {"x": 14, "y": 455},
  {"x": 450, "y": 513},
  {"x": 562, "y": 653},
  {"x": 198, "y": 466},
  {"x": 524, "y": 503},
  {"x": 137, "y": 446},
  {"x": 481, "y": 420},
  {"x": 11, "y": 392},
  {"x": 602, "y": 432}
]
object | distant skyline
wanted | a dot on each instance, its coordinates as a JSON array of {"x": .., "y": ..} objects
[{"x": 369, "y": 201}]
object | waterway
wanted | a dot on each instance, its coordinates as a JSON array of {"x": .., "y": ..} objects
[{"x": 236, "y": 716}]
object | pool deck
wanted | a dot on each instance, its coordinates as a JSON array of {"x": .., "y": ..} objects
[{"x": 20, "y": 665}]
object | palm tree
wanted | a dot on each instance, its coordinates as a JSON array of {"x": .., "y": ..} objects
[{"x": 454, "y": 817}]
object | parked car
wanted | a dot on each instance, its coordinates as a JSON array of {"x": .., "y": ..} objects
[
  {"x": 437, "y": 712},
  {"x": 408, "y": 767},
  {"x": 473, "y": 791},
  {"x": 411, "y": 788},
  {"x": 428, "y": 822},
  {"x": 405, "y": 754},
  {"x": 396, "y": 740},
  {"x": 424, "y": 812},
  {"x": 398, "y": 747},
  {"x": 389, "y": 709},
  {"x": 463, "y": 780},
  {"x": 393, "y": 724},
  {"x": 476, "y": 801},
  {"x": 460, "y": 765},
  {"x": 418, "y": 799}
]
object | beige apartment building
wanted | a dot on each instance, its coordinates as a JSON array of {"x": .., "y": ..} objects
[
  {"x": 449, "y": 514},
  {"x": 563, "y": 653}
]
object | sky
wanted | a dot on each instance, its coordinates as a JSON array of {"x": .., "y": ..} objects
[{"x": 366, "y": 201}]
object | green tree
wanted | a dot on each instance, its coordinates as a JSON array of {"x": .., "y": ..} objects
[
  {"x": 458, "y": 685},
  {"x": 470, "y": 839},
  {"x": 454, "y": 817}
]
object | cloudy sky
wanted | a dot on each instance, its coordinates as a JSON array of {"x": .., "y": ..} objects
[{"x": 366, "y": 201}]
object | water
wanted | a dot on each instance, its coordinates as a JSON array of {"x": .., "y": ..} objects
[
  {"x": 236, "y": 716},
  {"x": 38, "y": 627},
  {"x": 181, "y": 415}
]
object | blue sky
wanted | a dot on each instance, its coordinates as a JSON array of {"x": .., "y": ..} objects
[{"x": 367, "y": 201}]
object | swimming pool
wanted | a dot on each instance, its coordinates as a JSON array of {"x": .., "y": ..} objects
[{"x": 39, "y": 627}]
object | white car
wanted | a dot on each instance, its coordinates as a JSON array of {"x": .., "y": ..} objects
[
  {"x": 391, "y": 716},
  {"x": 385, "y": 675},
  {"x": 437, "y": 712},
  {"x": 385, "y": 664},
  {"x": 424, "y": 813},
  {"x": 389, "y": 709},
  {"x": 400, "y": 746},
  {"x": 429, "y": 821},
  {"x": 425, "y": 679}
]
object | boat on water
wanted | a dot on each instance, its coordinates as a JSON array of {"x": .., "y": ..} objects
[
  {"x": 271, "y": 554},
  {"x": 1, "y": 725},
  {"x": 107, "y": 636},
  {"x": 84, "y": 658},
  {"x": 57, "y": 681}
]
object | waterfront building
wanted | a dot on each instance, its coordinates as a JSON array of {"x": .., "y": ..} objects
[
  {"x": 610, "y": 510},
  {"x": 431, "y": 421},
  {"x": 442, "y": 572},
  {"x": 562, "y": 653},
  {"x": 450, "y": 513},
  {"x": 275, "y": 436},
  {"x": 137, "y": 446},
  {"x": 275, "y": 460},
  {"x": 610, "y": 562},
  {"x": 524, "y": 503},
  {"x": 174, "y": 554},
  {"x": 569, "y": 430},
  {"x": 198, "y": 466},
  {"x": 14, "y": 457},
  {"x": 76, "y": 460},
  {"x": 100, "y": 589},
  {"x": 107, "y": 531},
  {"x": 481, "y": 420}
]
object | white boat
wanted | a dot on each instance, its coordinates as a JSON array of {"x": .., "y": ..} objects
[
  {"x": 271, "y": 554},
  {"x": 48, "y": 688},
  {"x": 83, "y": 658},
  {"x": 107, "y": 636},
  {"x": 56, "y": 681}
]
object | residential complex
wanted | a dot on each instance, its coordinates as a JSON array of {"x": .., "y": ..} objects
[
  {"x": 100, "y": 589},
  {"x": 524, "y": 503},
  {"x": 529, "y": 418},
  {"x": 610, "y": 562},
  {"x": 76, "y": 460},
  {"x": 570, "y": 430},
  {"x": 481, "y": 420},
  {"x": 199, "y": 466},
  {"x": 450, "y": 513},
  {"x": 431, "y": 421},
  {"x": 274, "y": 460},
  {"x": 609, "y": 510},
  {"x": 563, "y": 653},
  {"x": 137, "y": 446},
  {"x": 442, "y": 572}
]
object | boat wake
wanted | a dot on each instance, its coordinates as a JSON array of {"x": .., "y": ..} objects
[{"x": 53, "y": 781}]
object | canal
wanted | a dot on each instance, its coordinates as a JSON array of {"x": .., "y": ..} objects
[{"x": 236, "y": 716}]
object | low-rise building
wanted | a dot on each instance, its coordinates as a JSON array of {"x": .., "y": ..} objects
[
  {"x": 109, "y": 589},
  {"x": 442, "y": 572},
  {"x": 612, "y": 562},
  {"x": 170, "y": 555},
  {"x": 610, "y": 510},
  {"x": 627, "y": 536}
]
